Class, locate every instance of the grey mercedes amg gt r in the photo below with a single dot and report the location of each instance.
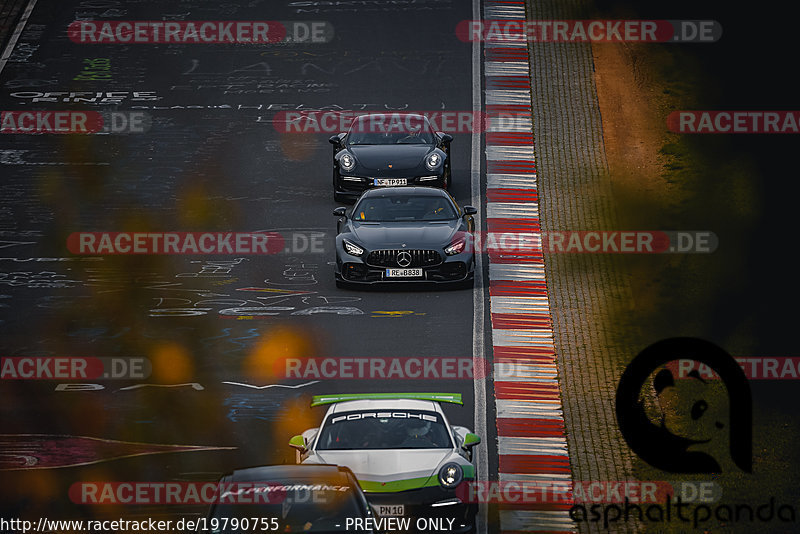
(402, 235)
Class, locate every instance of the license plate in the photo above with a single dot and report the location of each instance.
(390, 181)
(403, 273)
(391, 510)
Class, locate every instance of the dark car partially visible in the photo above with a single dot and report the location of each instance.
(289, 498)
(387, 150)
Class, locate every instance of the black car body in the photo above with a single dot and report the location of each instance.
(405, 234)
(300, 498)
(389, 149)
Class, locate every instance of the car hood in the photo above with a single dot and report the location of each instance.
(418, 234)
(386, 468)
(379, 157)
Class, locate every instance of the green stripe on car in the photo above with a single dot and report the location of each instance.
(318, 400)
(394, 486)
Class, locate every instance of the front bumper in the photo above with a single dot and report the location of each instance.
(453, 269)
(347, 186)
(429, 507)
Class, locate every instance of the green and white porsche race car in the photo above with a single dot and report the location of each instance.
(406, 456)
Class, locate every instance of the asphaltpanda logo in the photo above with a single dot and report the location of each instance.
(660, 444)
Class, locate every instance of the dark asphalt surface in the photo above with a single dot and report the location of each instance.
(212, 161)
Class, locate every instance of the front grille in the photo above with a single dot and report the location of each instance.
(388, 258)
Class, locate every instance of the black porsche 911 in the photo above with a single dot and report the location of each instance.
(389, 149)
(405, 234)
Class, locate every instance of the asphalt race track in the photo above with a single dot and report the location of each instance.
(213, 159)
(214, 134)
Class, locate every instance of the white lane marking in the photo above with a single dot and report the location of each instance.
(507, 68)
(523, 409)
(478, 294)
(511, 181)
(508, 97)
(500, 210)
(508, 122)
(517, 272)
(500, 41)
(510, 153)
(520, 305)
(15, 36)
(503, 12)
(518, 237)
(530, 446)
(520, 372)
(523, 338)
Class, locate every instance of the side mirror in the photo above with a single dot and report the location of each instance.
(446, 138)
(297, 442)
(470, 210)
(334, 139)
(341, 211)
(470, 440)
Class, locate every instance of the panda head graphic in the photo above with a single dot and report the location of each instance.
(693, 419)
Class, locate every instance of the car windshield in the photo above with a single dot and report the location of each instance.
(397, 208)
(390, 129)
(292, 505)
(395, 429)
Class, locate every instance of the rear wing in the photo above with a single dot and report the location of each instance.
(319, 400)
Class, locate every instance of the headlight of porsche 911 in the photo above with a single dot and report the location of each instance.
(347, 162)
(450, 475)
(433, 161)
(456, 247)
(352, 248)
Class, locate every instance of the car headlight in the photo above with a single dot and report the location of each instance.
(433, 161)
(428, 178)
(456, 247)
(450, 475)
(347, 162)
(352, 248)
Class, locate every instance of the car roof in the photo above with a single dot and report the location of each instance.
(405, 191)
(276, 473)
(385, 404)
